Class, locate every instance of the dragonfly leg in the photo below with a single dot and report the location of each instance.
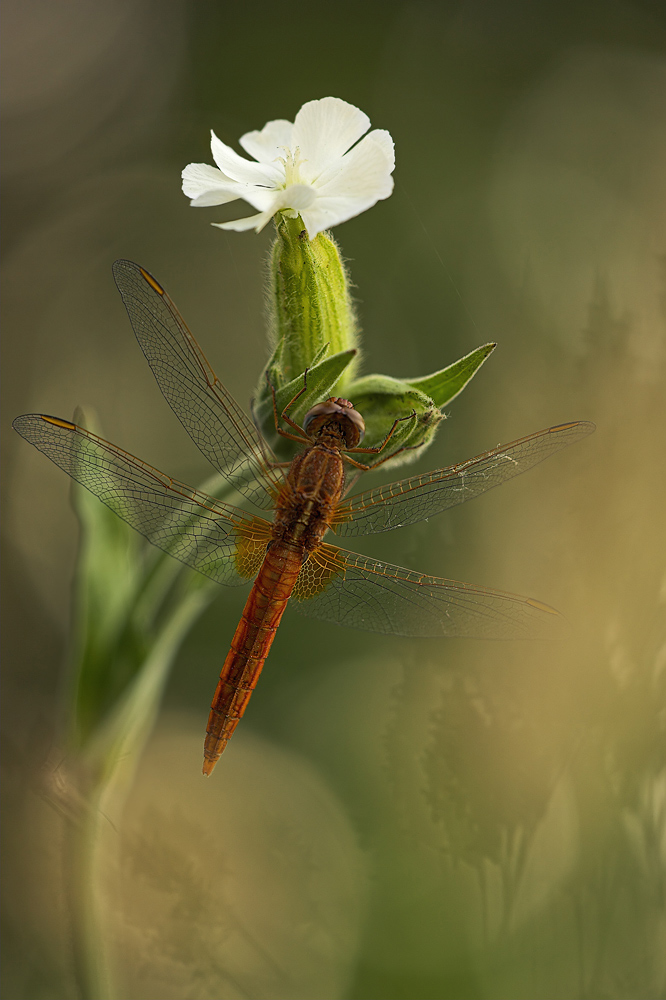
(293, 437)
(301, 438)
(380, 447)
(375, 465)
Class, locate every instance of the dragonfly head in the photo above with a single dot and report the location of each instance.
(339, 413)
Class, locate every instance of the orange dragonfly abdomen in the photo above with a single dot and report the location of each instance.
(250, 645)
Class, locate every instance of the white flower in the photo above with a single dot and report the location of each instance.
(309, 168)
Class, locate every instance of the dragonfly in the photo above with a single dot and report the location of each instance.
(284, 550)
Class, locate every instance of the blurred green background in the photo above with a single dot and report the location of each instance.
(394, 819)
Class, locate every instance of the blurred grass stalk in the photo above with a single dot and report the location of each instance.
(134, 604)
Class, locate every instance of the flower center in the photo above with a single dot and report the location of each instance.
(291, 162)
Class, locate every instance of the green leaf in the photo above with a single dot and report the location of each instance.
(320, 355)
(446, 384)
(106, 649)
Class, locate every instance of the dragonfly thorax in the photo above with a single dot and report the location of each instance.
(337, 420)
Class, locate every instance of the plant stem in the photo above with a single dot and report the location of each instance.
(84, 850)
(101, 778)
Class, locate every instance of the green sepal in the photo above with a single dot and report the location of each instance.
(449, 382)
(381, 400)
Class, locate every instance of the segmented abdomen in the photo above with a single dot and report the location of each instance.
(250, 645)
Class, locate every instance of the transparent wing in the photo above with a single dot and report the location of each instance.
(209, 414)
(420, 497)
(218, 540)
(350, 589)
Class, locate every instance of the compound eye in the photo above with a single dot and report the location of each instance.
(336, 407)
(320, 410)
(358, 422)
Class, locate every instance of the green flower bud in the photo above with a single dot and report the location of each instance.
(314, 330)
(381, 400)
(312, 325)
(309, 302)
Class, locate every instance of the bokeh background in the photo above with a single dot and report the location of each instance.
(394, 819)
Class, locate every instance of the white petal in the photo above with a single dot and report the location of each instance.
(263, 199)
(211, 198)
(385, 141)
(364, 172)
(329, 212)
(316, 220)
(245, 171)
(270, 143)
(207, 185)
(296, 196)
(256, 222)
(324, 130)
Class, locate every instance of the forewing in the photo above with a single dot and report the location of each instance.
(218, 540)
(209, 414)
(420, 497)
(353, 590)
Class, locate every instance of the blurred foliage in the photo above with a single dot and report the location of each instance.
(132, 606)
(400, 820)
